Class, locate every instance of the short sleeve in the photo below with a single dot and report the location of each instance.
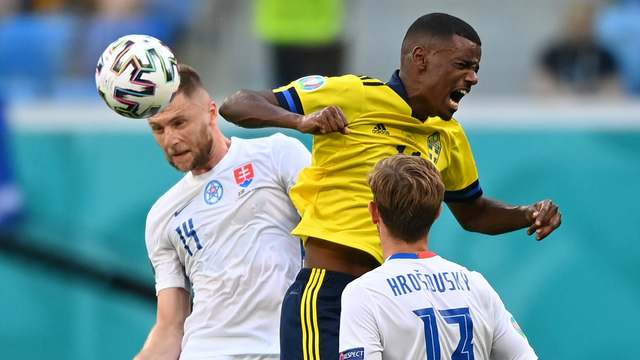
(313, 93)
(359, 333)
(168, 269)
(509, 341)
(290, 156)
(461, 175)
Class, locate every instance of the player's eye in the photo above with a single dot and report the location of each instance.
(179, 122)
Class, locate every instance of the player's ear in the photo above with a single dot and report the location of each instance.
(439, 212)
(213, 110)
(419, 55)
(375, 214)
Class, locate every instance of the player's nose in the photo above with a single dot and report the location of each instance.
(471, 77)
(170, 137)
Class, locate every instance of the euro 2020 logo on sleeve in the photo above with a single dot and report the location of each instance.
(310, 83)
(517, 327)
(213, 192)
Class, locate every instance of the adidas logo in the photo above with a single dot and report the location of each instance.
(380, 129)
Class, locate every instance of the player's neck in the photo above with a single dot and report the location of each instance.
(392, 246)
(218, 151)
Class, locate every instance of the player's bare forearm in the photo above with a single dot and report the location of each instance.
(164, 342)
(490, 216)
(251, 109)
(165, 338)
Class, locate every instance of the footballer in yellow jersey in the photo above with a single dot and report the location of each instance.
(362, 120)
(332, 194)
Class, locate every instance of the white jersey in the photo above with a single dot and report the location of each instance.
(423, 307)
(226, 235)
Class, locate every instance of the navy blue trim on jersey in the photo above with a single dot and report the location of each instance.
(289, 100)
(395, 83)
(418, 255)
(404, 256)
(467, 194)
(366, 82)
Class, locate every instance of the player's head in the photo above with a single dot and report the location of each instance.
(440, 57)
(407, 196)
(186, 128)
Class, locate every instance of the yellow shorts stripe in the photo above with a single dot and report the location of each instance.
(309, 316)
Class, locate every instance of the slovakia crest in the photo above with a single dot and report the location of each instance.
(213, 192)
(244, 175)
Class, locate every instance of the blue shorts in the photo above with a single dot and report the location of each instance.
(310, 322)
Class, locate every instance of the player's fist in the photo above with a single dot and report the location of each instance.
(545, 217)
(329, 119)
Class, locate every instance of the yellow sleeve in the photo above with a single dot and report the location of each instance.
(312, 93)
(461, 174)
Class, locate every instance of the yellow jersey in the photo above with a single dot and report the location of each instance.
(332, 194)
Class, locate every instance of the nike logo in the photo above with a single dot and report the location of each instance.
(182, 208)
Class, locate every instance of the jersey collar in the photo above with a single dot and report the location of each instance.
(395, 83)
(420, 255)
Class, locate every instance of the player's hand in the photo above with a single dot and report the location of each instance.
(545, 217)
(329, 119)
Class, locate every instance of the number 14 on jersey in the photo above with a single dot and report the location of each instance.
(189, 231)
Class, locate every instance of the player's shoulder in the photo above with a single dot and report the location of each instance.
(369, 81)
(361, 80)
(166, 202)
(348, 81)
(473, 276)
(268, 144)
(448, 264)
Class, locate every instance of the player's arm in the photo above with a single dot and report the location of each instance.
(359, 334)
(290, 157)
(508, 340)
(490, 216)
(258, 109)
(165, 339)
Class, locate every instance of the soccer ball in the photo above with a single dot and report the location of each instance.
(137, 76)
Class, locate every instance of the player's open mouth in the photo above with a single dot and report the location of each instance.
(456, 95)
(180, 153)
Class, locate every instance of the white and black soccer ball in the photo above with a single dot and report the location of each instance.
(137, 76)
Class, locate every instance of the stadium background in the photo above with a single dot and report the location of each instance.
(75, 281)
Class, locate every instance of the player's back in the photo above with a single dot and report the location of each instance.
(427, 308)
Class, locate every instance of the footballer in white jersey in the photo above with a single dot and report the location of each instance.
(419, 306)
(225, 236)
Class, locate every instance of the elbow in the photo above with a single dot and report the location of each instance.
(469, 226)
(226, 109)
